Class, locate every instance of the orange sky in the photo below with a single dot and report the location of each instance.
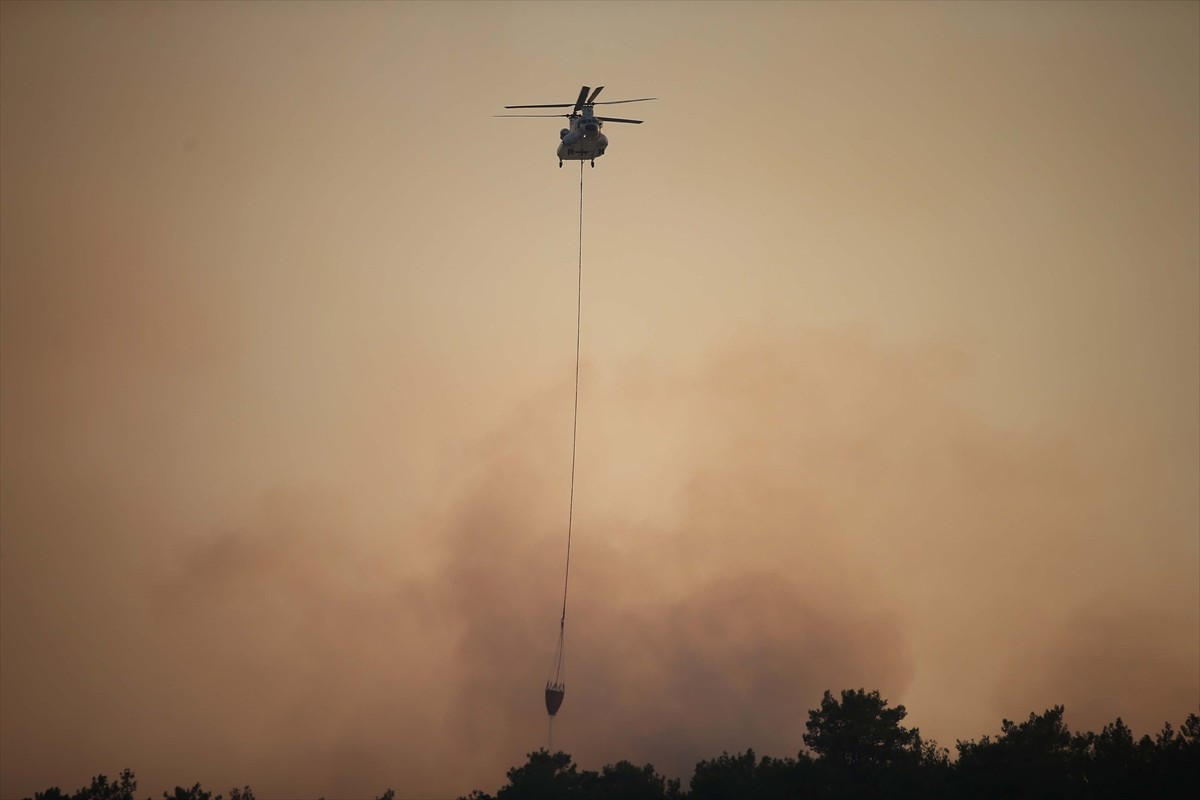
(891, 373)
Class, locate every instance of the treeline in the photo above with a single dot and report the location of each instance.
(857, 747)
(125, 788)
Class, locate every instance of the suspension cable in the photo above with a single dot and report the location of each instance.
(557, 668)
(575, 420)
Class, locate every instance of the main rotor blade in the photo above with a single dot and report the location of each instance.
(614, 102)
(582, 96)
(544, 105)
(617, 119)
(531, 115)
(592, 99)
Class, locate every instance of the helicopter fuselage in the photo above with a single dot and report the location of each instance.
(583, 141)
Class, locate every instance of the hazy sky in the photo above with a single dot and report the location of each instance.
(891, 373)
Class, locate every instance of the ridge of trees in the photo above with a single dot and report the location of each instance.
(125, 788)
(856, 747)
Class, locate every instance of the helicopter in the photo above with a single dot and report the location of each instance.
(582, 139)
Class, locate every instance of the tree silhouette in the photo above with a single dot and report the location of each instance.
(863, 750)
(53, 793)
(545, 777)
(626, 781)
(725, 776)
(99, 789)
(1111, 763)
(742, 777)
(1037, 758)
(194, 793)
(1175, 759)
(861, 731)
(552, 776)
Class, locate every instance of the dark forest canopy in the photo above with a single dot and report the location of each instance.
(125, 788)
(855, 747)
(858, 747)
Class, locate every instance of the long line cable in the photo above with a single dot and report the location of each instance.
(560, 655)
(575, 421)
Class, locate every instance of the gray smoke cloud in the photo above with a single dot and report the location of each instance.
(821, 513)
